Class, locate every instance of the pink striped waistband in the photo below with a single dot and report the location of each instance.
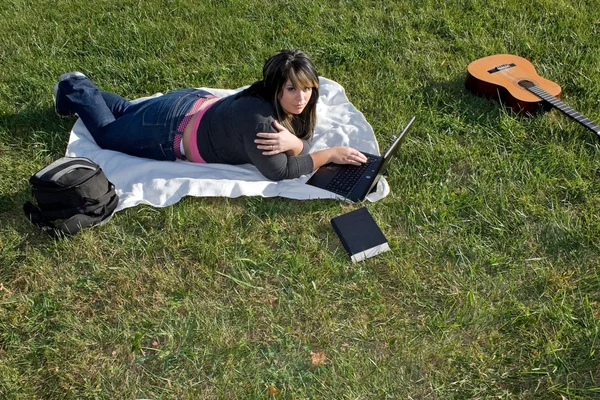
(195, 154)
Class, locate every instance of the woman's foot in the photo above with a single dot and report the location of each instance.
(56, 91)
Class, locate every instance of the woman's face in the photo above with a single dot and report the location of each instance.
(294, 100)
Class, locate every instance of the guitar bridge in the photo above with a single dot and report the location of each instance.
(501, 68)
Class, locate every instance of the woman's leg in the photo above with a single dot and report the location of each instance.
(145, 129)
(114, 122)
(116, 104)
(78, 94)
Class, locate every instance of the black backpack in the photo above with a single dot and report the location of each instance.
(72, 193)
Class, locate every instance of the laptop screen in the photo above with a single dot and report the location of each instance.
(393, 150)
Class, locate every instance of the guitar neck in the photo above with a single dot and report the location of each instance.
(583, 120)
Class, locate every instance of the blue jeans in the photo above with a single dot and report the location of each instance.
(145, 129)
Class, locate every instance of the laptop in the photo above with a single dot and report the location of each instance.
(355, 182)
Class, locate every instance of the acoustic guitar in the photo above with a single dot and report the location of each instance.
(514, 81)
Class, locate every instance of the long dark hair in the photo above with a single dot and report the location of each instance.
(295, 66)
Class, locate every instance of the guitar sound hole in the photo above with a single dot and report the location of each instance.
(526, 84)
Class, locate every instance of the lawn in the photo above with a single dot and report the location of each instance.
(492, 285)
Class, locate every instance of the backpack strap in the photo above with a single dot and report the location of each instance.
(91, 206)
(69, 226)
(35, 216)
(80, 221)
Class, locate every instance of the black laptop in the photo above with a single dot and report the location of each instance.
(355, 182)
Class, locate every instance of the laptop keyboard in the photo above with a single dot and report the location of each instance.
(346, 179)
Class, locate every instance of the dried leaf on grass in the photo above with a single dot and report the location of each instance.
(272, 391)
(273, 301)
(318, 358)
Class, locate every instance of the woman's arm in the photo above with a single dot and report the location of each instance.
(279, 165)
(282, 141)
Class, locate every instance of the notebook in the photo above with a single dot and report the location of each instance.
(360, 235)
(355, 182)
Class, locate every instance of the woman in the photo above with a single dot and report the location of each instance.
(270, 124)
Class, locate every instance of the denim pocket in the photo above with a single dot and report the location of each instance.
(168, 152)
(156, 150)
(167, 110)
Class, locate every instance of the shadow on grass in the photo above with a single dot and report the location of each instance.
(453, 98)
(461, 106)
(29, 137)
(12, 215)
(37, 129)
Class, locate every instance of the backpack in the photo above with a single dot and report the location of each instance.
(72, 193)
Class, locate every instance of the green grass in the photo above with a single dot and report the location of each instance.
(492, 287)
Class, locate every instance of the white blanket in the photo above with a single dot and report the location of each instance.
(162, 183)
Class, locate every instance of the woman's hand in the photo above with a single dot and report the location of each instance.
(279, 142)
(338, 155)
(346, 155)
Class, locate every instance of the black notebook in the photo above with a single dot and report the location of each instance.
(360, 235)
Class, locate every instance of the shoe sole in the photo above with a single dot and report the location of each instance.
(64, 77)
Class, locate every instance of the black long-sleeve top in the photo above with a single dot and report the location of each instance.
(227, 132)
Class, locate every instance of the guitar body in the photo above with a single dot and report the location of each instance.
(513, 81)
(498, 76)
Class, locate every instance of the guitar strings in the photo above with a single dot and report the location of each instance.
(555, 102)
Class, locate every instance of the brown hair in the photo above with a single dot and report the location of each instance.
(295, 66)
